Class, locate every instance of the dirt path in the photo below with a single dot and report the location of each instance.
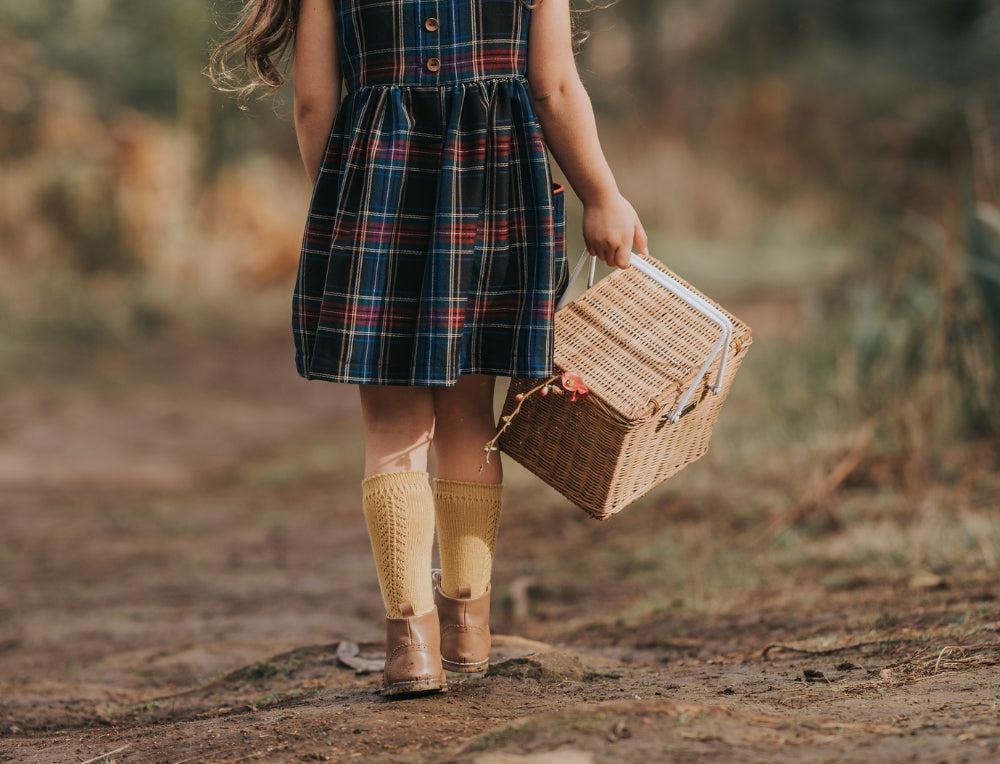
(182, 555)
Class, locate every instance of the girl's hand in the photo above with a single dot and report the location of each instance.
(611, 228)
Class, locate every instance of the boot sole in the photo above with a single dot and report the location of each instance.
(475, 669)
(409, 689)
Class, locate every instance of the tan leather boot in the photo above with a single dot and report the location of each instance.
(465, 629)
(412, 654)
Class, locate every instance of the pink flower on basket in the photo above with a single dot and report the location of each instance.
(572, 383)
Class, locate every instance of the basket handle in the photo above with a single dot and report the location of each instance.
(696, 301)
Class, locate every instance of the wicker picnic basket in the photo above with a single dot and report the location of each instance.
(658, 359)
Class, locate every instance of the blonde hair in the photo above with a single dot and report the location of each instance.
(250, 58)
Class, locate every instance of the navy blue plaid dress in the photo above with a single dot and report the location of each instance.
(433, 246)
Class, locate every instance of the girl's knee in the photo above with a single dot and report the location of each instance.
(472, 396)
(397, 415)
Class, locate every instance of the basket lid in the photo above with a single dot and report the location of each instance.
(636, 345)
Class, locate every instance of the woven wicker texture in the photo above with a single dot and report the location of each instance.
(637, 347)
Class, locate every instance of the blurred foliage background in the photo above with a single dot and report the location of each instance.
(830, 165)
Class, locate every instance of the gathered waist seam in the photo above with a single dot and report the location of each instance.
(476, 81)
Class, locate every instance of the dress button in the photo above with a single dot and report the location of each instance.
(431, 25)
(433, 64)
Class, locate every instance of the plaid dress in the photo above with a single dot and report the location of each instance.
(433, 246)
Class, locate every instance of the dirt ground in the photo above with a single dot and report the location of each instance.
(184, 557)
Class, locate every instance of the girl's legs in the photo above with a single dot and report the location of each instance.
(399, 425)
(400, 509)
(399, 512)
(398, 502)
(467, 507)
(464, 423)
(467, 501)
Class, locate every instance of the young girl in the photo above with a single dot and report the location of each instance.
(430, 264)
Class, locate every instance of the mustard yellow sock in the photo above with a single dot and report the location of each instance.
(468, 517)
(399, 512)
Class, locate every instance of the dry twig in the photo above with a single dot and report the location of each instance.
(828, 486)
(505, 421)
(106, 755)
(347, 654)
(777, 646)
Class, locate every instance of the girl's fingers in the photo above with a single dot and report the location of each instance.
(641, 240)
(614, 256)
(611, 230)
(623, 257)
(609, 255)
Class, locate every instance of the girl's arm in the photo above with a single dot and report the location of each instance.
(610, 225)
(316, 71)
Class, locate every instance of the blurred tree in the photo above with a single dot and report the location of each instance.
(147, 56)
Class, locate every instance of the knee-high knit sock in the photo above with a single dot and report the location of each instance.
(399, 512)
(468, 517)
